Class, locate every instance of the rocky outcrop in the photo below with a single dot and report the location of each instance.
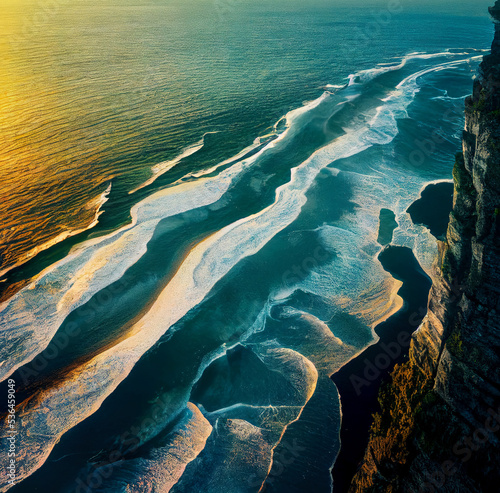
(439, 428)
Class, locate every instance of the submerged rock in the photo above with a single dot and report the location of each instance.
(387, 226)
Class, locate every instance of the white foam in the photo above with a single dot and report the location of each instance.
(365, 76)
(412, 79)
(334, 86)
(34, 313)
(95, 204)
(208, 262)
(161, 168)
(123, 248)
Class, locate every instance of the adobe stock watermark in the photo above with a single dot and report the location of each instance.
(34, 23)
(391, 352)
(463, 451)
(384, 360)
(380, 19)
(289, 452)
(11, 432)
(424, 148)
(302, 270)
(225, 7)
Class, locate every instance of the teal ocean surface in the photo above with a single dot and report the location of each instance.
(190, 202)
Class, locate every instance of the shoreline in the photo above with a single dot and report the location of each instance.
(358, 382)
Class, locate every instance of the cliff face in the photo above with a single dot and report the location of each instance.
(439, 427)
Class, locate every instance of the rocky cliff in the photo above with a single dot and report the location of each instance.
(439, 428)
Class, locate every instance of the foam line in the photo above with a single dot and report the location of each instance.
(365, 76)
(161, 168)
(34, 313)
(207, 263)
(96, 203)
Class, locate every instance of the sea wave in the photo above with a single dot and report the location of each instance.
(161, 168)
(98, 262)
(368, 75)
(95, 204)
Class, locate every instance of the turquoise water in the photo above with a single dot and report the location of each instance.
(132, 85)
(186, 339)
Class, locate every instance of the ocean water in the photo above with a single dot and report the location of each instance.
(190, 200)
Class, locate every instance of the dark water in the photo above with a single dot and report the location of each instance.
(359, 381)
(186, 340)
(386, 227)
(433, 208)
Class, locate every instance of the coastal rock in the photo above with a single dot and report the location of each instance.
(439, 420)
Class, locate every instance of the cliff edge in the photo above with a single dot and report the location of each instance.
(439, 428)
